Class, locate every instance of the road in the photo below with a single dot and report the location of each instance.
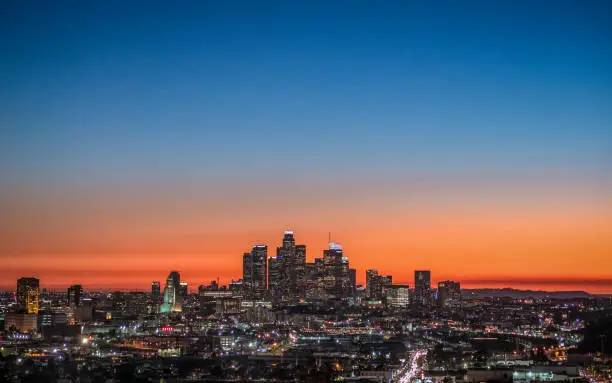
(410, 369)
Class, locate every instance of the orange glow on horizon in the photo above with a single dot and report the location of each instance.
(126, 241)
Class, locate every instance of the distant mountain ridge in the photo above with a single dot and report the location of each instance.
(515, 293)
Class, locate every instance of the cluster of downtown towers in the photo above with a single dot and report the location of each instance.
(288, 277)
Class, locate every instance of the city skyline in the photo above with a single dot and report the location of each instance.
(466, 139)
(401, 277)
(306, 191)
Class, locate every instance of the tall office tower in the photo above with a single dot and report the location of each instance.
(254, 272)
(317, 278)
(310, 280)
(28, 290)
(275, 276)
(449, 294)
(385, 282)
(337, 278)
(293, 258)
(300, 270)
(422, 288)
(288, 239)
(170, 292)
(397, 296)
(156, 292)
(370, 278)
(75, 295)
(378, 284)
(182, 292)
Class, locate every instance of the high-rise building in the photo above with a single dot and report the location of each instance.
(156, 292)
(397, 296)
(170, 293)
(334, 270)
(182, 293)
(337, 277)
(254, 272)
(75, 295)
(293, 259)
(299, 273)
(376, 284)
(288, 239)
(275, 276)
(449, 294)
(422, 288)
(370, 276)
(311, 279)
(28, 290)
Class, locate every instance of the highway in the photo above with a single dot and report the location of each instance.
(410, 369)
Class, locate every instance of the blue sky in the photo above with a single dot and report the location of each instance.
(205, 91)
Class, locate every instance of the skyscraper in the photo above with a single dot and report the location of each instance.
(156, 292)
(293, 259)
(449, 294)
(182, 292)
(337, 276)
(370, 276)
(254, 272)
(170, 293)
(75, 293)
(377, 284)
(299, 266)
(288, 239)
(422, 288)
(28, 290)
(275, 276)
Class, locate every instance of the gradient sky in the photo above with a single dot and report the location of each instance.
(472, 138)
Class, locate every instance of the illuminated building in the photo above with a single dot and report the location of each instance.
(377, 284)
(75, 295)
(28, 290)
(137, 303)
(170, 293)
(299, 271)
(337, 278)
(449, 294)
(293, 260)
(21, 322)
(370, 276)
(254, 272)
(397, 296)
(236, 286)
(422, 288)
(182, 293)
(229, 305)
(156, 292)
(119, 304)
(275, 276)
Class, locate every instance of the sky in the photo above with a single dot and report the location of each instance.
(470, 138)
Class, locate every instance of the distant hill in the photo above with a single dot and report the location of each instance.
(514, 293)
